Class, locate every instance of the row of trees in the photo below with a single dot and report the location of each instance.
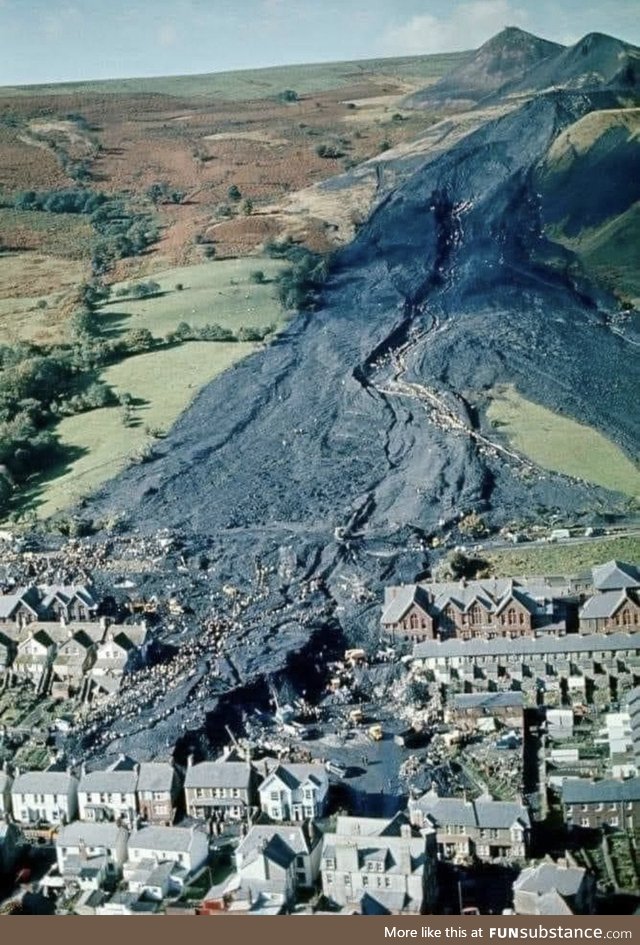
(121, 231)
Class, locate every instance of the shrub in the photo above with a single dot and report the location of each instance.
(234, 192)
(329, 151)
(257, 276)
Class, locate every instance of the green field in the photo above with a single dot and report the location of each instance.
(214, 293)
(162, 384)
(562, 558)
(562, 445)
(259, 83)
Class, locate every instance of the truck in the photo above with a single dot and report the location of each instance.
(375, 733)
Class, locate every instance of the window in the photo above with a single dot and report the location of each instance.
(613, 821)
(585, 822)
(274, 796)
(365, 880)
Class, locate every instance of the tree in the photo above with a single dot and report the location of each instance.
(247, 207)
(234, 192)
(257, 276)
(139, 339)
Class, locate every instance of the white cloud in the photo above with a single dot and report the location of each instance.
(467, 26)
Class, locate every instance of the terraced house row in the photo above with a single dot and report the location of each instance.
(604, 600)
(54, 638)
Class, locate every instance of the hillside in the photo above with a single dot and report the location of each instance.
(456, 340)
(595, 62)
(504, 58)
(598, 222)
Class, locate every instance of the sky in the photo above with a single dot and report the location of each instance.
(68, 40)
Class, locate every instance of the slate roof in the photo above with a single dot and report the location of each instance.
(234, 774)
(547, 877)
(615, 575)
(156, 776)
(405, 596)
(297, 838)
(93, 835)
(123, 782)
(22, 595)
(295, 775)
(43, 782)
(604, 604)
(488, 700)
(65, 593)
(163, 839)
(583, 791)
(481, 813)
(527, 646)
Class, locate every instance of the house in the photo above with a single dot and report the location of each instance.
(526, 655)
(611, 612)
(35, 657)
(484, 828)
(5, 793)
(379, 866)
(554, 888)
(68, 602)
(272, 863)
(21, 607)
(295, 792)
(72, 661)
(598, 804)
(512, 607)
(304, 840)
(44, 797)
(124, 902)
(109, 795)
(220, 790)
(91, 855)
(407, 613)
(185, 847)
(121, 651)
(615, 576)
(10, 844)
(157, 790)
(471, 710)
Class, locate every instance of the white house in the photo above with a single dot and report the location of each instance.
(90, 854)
(295, 792)
(303, 840)
(379, 866)
(187, 847)
(35, 656)
(119, 653)
(44, 797)
(109, 794)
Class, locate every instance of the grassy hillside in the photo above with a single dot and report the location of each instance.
(218, 292)
(258, 83)
(562, 558)
(161, 385)
(562, 445)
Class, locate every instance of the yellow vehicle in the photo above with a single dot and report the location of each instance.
(375, 733)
